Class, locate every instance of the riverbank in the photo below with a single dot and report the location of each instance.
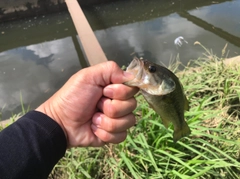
(211, 151)
(16, 9)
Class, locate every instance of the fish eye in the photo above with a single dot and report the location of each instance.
(152, 69)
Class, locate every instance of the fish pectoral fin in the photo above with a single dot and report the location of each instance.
(181, 132)
(165, 122)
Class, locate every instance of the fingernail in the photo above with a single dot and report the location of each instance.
(108, 91)
(128, 75)
(94, 128)
(97, 120)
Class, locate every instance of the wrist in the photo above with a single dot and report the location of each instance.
(48, 110)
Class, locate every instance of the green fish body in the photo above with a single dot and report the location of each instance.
(164, 93)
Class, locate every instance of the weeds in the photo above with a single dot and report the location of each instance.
(211, 151)
(14, 117)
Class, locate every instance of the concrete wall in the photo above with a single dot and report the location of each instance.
(14, 9)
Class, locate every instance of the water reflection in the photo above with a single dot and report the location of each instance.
(35, 72)
(156, 37)
(124, 28)
(223, 15)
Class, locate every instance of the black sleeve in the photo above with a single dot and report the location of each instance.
(30, 147)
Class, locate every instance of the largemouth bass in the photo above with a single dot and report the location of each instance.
(163, 91)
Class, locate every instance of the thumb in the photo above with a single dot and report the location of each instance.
(106, 73)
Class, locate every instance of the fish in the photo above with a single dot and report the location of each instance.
(163, 92)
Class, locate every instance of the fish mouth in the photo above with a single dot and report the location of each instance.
(136, 68)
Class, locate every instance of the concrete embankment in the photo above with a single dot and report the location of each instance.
(15, 9)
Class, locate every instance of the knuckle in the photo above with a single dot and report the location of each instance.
(120, 138)
(132, 119)
(134, 103)
(114, 138)
(112, 64)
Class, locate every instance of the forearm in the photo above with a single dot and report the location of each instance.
(31, 147)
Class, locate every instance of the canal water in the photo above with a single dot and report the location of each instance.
(37, 55)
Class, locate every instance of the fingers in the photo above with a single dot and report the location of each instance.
(116, 117)
(122, 103)
(112, 130)
(111, 125)
(119, 91)
(116, 108)
(107, 137)
(115, 125)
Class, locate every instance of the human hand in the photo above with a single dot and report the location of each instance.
(94, 107)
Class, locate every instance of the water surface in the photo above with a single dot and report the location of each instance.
(39, 54)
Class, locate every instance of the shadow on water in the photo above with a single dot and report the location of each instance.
(29, 55)
(235, 40)
(39, 54)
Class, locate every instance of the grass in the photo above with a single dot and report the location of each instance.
(211, 151)
(14, 117)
